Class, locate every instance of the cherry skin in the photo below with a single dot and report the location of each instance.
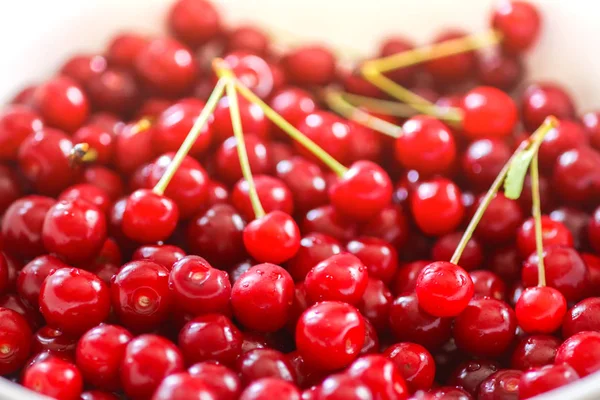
(210, 337)
(470, 374)
(342, 387)
(415, 364)
(97, 395)
(198, 288)
(140, 295)
(272, 193)
(90, 193)
(62, 103)
(222, 381)
(16, 123)
(124, 48)
(314, 248)
(500, 70)
(10, 189)
(252, 71)
(305, 180)
(166, 67)
(264, 363)
(582, 317)
(274, 238)
(22, 225)
(488, 284)
(426, 145)
(133, 137)
(310, 65)
(486, 327)
(149, 217)
(380, 375)
(195, 22)
(576, 176)
(405, 279)
(100, 352)
(436, 206)
(447, 392)
(483, 160)
(329, 335)
(444, 289)
(227, 159)
(253, 120)
(217, 235)
(33, 274)
(380, 258)
(453, 68)
(540, 309)
(293, 104)
(181, 386)
(269, 388)
(371, 344)
(591, 124)
(248, 38)
(148, 359)
(165, 255)
(327, 130)
(444, 247)
(519, 24)
(84, 67)
(543, 379)
(326, 220)
(262, 297)
(54, 378)
(503, 384)
(15, 341)
(391, 225)
(342, 277)
(553, 234)
(541, 100)
(566, 136)
(594, 230)
(393, 45)
(500, 221)
(488, 112)
(580, 351)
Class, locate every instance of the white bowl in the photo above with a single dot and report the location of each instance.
(39, 35)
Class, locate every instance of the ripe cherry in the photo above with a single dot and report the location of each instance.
(380, 375)
(415, 364)
(33, 274)
(305, 180)
(16, 123)
(500, 221)
(165, 255)
(227, 161)
(222, 381)
(541, 100)
(272, 193)
(398, 44)
(380, 258)
(293, 104)
(488, 284)
(133, 136)
(444, 289)
(391, 225)
(341, 277)
(62, 103)
(314, 248)
(54, 378)
(488, 112)
(252, 71)
(469, 375)
(262, 297)
(580, 351)
(124, 48)
(15, 341)
(471, 257)
(453, 68)
(90, 193)
(253, 120)
(195, 22)
(576, 176)
(553, 234)
(437, 207)
(566, 136)
(264, 363)
(540, 309)
(149, 217)
(405, 279)
(273, 238)
(114, 90)
(541, 380)
(503, 384)
(534, 351)
(519, 24)
(310, 65)
(269, 388)
(591, 124)
(328, 131)
(83, 67)
(326, 220)
(483, 160)
(582, 317)
(577, 222)
(500, 70)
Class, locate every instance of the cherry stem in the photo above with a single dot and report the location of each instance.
(142, 125)
(535, 139)
(537, 218)
(221, 69)
(335, 100)
(384, 107)
(82, 153)
(191, 137)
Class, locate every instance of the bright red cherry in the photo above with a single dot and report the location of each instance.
(227, 161)
(83, 67)
(16, 123)
(99, 138)
(62, 103)
(74, 300)
(262, 297)
(444, 289)
(75, 230)
(540, 309)
(330, 334)
(222, 381)
(534, 351)
(541, 100)
(380, 258)
(543, 379)
(33, 274)
(293, 104)
(195, 22)
(553, 234)
(483, 160)
(252, 71)
(147, 361)
(264, 363)
(124, 48)
(273, 238)
(341, 277)
(380, 375)
(314, 248)
(100, 352)
(54, 378)
(581, 351)
(149, 217)
(329, 131)
(253, 120)
(269, 388)
(500, 70)
(415, 364)
(90, 193)
(248, 38)
(488, 112)
(566, 136)
(582, 317)
(15, 341)
(182, 386)
(210, 337)
(326, 220)
(591, 124)
(437, 207)
(519, 24)
(140, 295)
(576, 176)
(310, 65)
(453, 68)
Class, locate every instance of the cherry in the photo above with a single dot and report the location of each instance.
(274, 237)
(329, 335)
(16, 123)
(217, 235)
(222, 381)
(453, 68)
(398, 44)
(9, 188)
(305, 181)
(342, 387)
(341, 277)
(554, 233)
(100, 352)
(227, 161)
(540, 309)
(543, 379)
(500, 221)
(106, 120)
(566, 136)
(519, 24)
(272, 193)
(310, 65)
(488, 112)
(326, 220)
(165, 255)
(97, 395)
(506, 263)
(166, 67)
(90, 193)
(405, 279)
(181, 386)
(472, 255)
(591, 124)
(198, 288)
(390, 224)
(148, 359)
(578, 222)
(252, 71)
(253, 120)
(25, 96)
(114, 90)
(380, 258)
(500, 70)
(62, 103)
(54, 378)
(541, 100)
(293, 104)
(195, 22)
(314, 248)
(380, 375)
(483, 160)
(409, 323)
(132, 136)
(415, 364)
(593, 264)
(105, 179)
(262, 297)
(149, 217)
(327, 130)
(54, 341)
(470, 375)
(210, 337)
(124, 48)
(99, 138)
(248, 38)
(503, 384)
(488, 284)
(576, 176)
(22, 225)
(83, 67)
(447, 393)
(436, 206)
(371, 344)
(486, 327)
(44, 161)
(582, 317)
(264, 363)
(15, 341)
(269, 388)
(580, 351)
(444, 289)
(565, 271)
(426, 145)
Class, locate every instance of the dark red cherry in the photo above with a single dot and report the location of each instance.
(124, 48)
(541, 100)
(227, 160)
(543, 379)
(380, 375)
(33, 274)
(54, 378)
(149, 217)
(15, 341)
(488, 284)
(437, 207)
(591, 124)
(534, 351)
(273, 238)
(444, 247)
(165, 255)
(326, 220)
(253, 120)
(503, 384)
(506, 263)
(500, 70)
(305, 180)
(405, 279)
(314, 248)
(470, 374)
(222, 381)
(341, 277)
(500, 221)
(483, 160)
(576, 176)
(341, 386)
(582, 317)
(268, 388)
(453, 68)
(415, 364)
(519, 24)
(577, 222)
(310, 65)
(83, 67)
(264, 363)
(391, 225)
(16, 123)
(488, 112)
(62, 103)
(446, 392)
(195, 22)
(380, 258)
(181, 386)
(580, 351)
(10, 189)
(106, 179)
(553, 234)
(540, 309)
(114, 90)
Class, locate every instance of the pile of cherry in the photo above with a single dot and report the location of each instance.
(151, 250)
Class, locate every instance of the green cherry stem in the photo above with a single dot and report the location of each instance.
(533, 141)
(537, 218)
(380, 106)
(191, 137)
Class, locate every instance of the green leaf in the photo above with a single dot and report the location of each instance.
(517, 170)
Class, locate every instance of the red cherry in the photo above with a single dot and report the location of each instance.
(541, 100)
(33, 274)
(222, 381)
(248, 38)
(15, 341)
(576, 221)
(264, 363)
(503, 384)
(62, 103)
(262, 297)
(380, 375)
(444, 289)
(426, 145)
(472, 255)
(83, 67)
(453, 68)
(500, 70)
(194, 21)
(534, 351)
(269, 388)
(341, 277)
(314, 248)
(16, 123)
(380, 258)
(581, 351)
(106, 179)
(10, 189)
(566, 136)
(253, 120)
(553, 234)
(198, 288)
(54, 378)
(166, 67)
(293, 104)
(391, 225)
(488, 284)
(133, 137)
(90, 193)
(327, 130)
(483, 160)
(100, 139)
(500, 221)
(273, 238)
(398, 44)
(182, 386)
(540, 309)
(543, 379)
(100, 352)
(326, 220)
(591, 124)
(405, 279)
(149, 217)
(252, 71)
(273, 194)
(310, 65)
(415, 364)
(140, 295)
(227, 161)
(341, 387)
(469, 375)
(114, 90)
(74, 300)
(165, 255)
(329, 335)
(582, 317)
(147, 361)
(124, 48)
(488, 112)
(305, 180)
(576, 176)
(519, 24)
(437, 207)
(210, 337)
(371, 344)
